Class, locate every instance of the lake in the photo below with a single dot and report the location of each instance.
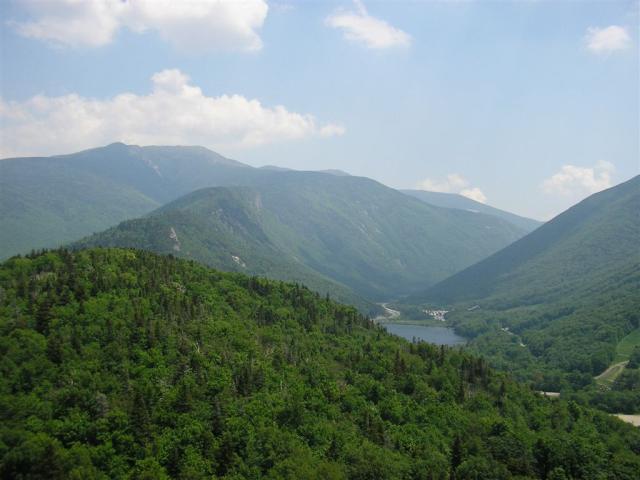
(437, 335)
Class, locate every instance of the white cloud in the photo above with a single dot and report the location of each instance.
(175, 112)
(454, 183)
(359, 26)
(606, 40)
(474, 194)
(189, 25)
(572, 180)
(332, 130)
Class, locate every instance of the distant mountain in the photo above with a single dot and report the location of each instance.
(569, 289)
(376, 241)
(453, 200)
(330, 171)
(276, 168)
(47, 201)
(335, 171)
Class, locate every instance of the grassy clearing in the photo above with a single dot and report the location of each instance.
(609, 376)
(623, 352)
(624, 348)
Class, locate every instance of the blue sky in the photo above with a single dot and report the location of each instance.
(529, 106)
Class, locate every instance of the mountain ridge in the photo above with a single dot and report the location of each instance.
(50, 201)
(454, 200)
(353, 230)
(557, 229)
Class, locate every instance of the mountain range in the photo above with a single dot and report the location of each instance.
(564, 290)
(370, 238)
(340, 234)
(49, 201)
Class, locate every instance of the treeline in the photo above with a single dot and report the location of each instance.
(122, 364)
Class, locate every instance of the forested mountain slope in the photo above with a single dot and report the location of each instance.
(221, 229)
(569, 289)
(573, 252)
(453, 200)
(47, 201)
(123, 364)
(352, 230)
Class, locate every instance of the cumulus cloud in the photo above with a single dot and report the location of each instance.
(174, 112)
(474, 194)
(606, 40)
(189, 25)
(572, 180)
(358, 26)
(454, 183)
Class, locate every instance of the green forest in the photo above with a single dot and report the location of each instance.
(122, 364)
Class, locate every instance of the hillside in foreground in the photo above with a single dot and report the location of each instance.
(124, 364)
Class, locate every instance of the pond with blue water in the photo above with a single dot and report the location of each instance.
(431, 334)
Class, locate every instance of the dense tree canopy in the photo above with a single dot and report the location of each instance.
(125, 364)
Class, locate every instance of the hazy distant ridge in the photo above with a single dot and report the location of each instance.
(453, 200)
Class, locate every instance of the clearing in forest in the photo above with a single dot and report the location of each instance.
(623, 352)
(624, 348)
